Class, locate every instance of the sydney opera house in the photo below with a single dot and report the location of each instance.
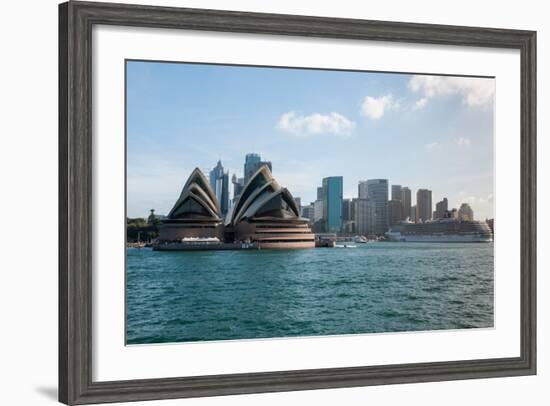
(265, 215)
(196, 213)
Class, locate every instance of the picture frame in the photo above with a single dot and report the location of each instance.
(76, 352)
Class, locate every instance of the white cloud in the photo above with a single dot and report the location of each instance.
(315, 124)
(475, 92)
(420, 103)
(375, 107)
(463, 141)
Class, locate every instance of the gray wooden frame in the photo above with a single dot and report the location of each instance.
(75, 192)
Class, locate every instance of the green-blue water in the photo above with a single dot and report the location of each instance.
(376, 287)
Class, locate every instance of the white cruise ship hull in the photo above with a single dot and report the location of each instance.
(438, 238)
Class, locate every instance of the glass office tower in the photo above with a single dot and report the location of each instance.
(333, 187)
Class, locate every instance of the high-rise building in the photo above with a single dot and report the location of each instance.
(238, 185)
(413, 214)
(320, 193)
(377, 193)
(348, 216)
(406, 203)
(364, 216)
(441, 209)
(394, 212)
(333, 187)
(298, 203)
(219, 182)
(423, 205)
(362, 190)
(348, 210)
(317, 210)
(307, 212)
(465, 213)
(252, 163)
(396, 192)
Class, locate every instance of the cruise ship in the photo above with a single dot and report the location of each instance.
(443, 230)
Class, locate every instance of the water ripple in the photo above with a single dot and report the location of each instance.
(198, 296)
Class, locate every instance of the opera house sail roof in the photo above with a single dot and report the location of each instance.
(196, 201)
(265, 215)
(195, 214)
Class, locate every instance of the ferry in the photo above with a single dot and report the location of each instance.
(443, 230)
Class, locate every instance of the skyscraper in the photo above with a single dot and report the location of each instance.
(364, 216)
(394, 212)
(298, 203)
(441, 208)
(377, 193)
(320, 193)
(423, 205)
(348, 210)
(348, 215)
(396, 192)
(252, 163)
(238, 185)
(317, 211)
(406, 203)
(332, 203)
(308, 213)
(219, 182)
(362, 189)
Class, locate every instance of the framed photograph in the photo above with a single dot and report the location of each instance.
(258, 202)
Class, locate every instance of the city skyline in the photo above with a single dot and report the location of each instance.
(359, 126)
(436, 210)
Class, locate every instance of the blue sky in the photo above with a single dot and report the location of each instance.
(419, 131)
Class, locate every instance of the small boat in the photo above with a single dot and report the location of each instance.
(345, 246)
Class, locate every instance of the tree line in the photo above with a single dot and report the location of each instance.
(142, 230)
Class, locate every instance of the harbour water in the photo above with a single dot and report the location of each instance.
(375, 287)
